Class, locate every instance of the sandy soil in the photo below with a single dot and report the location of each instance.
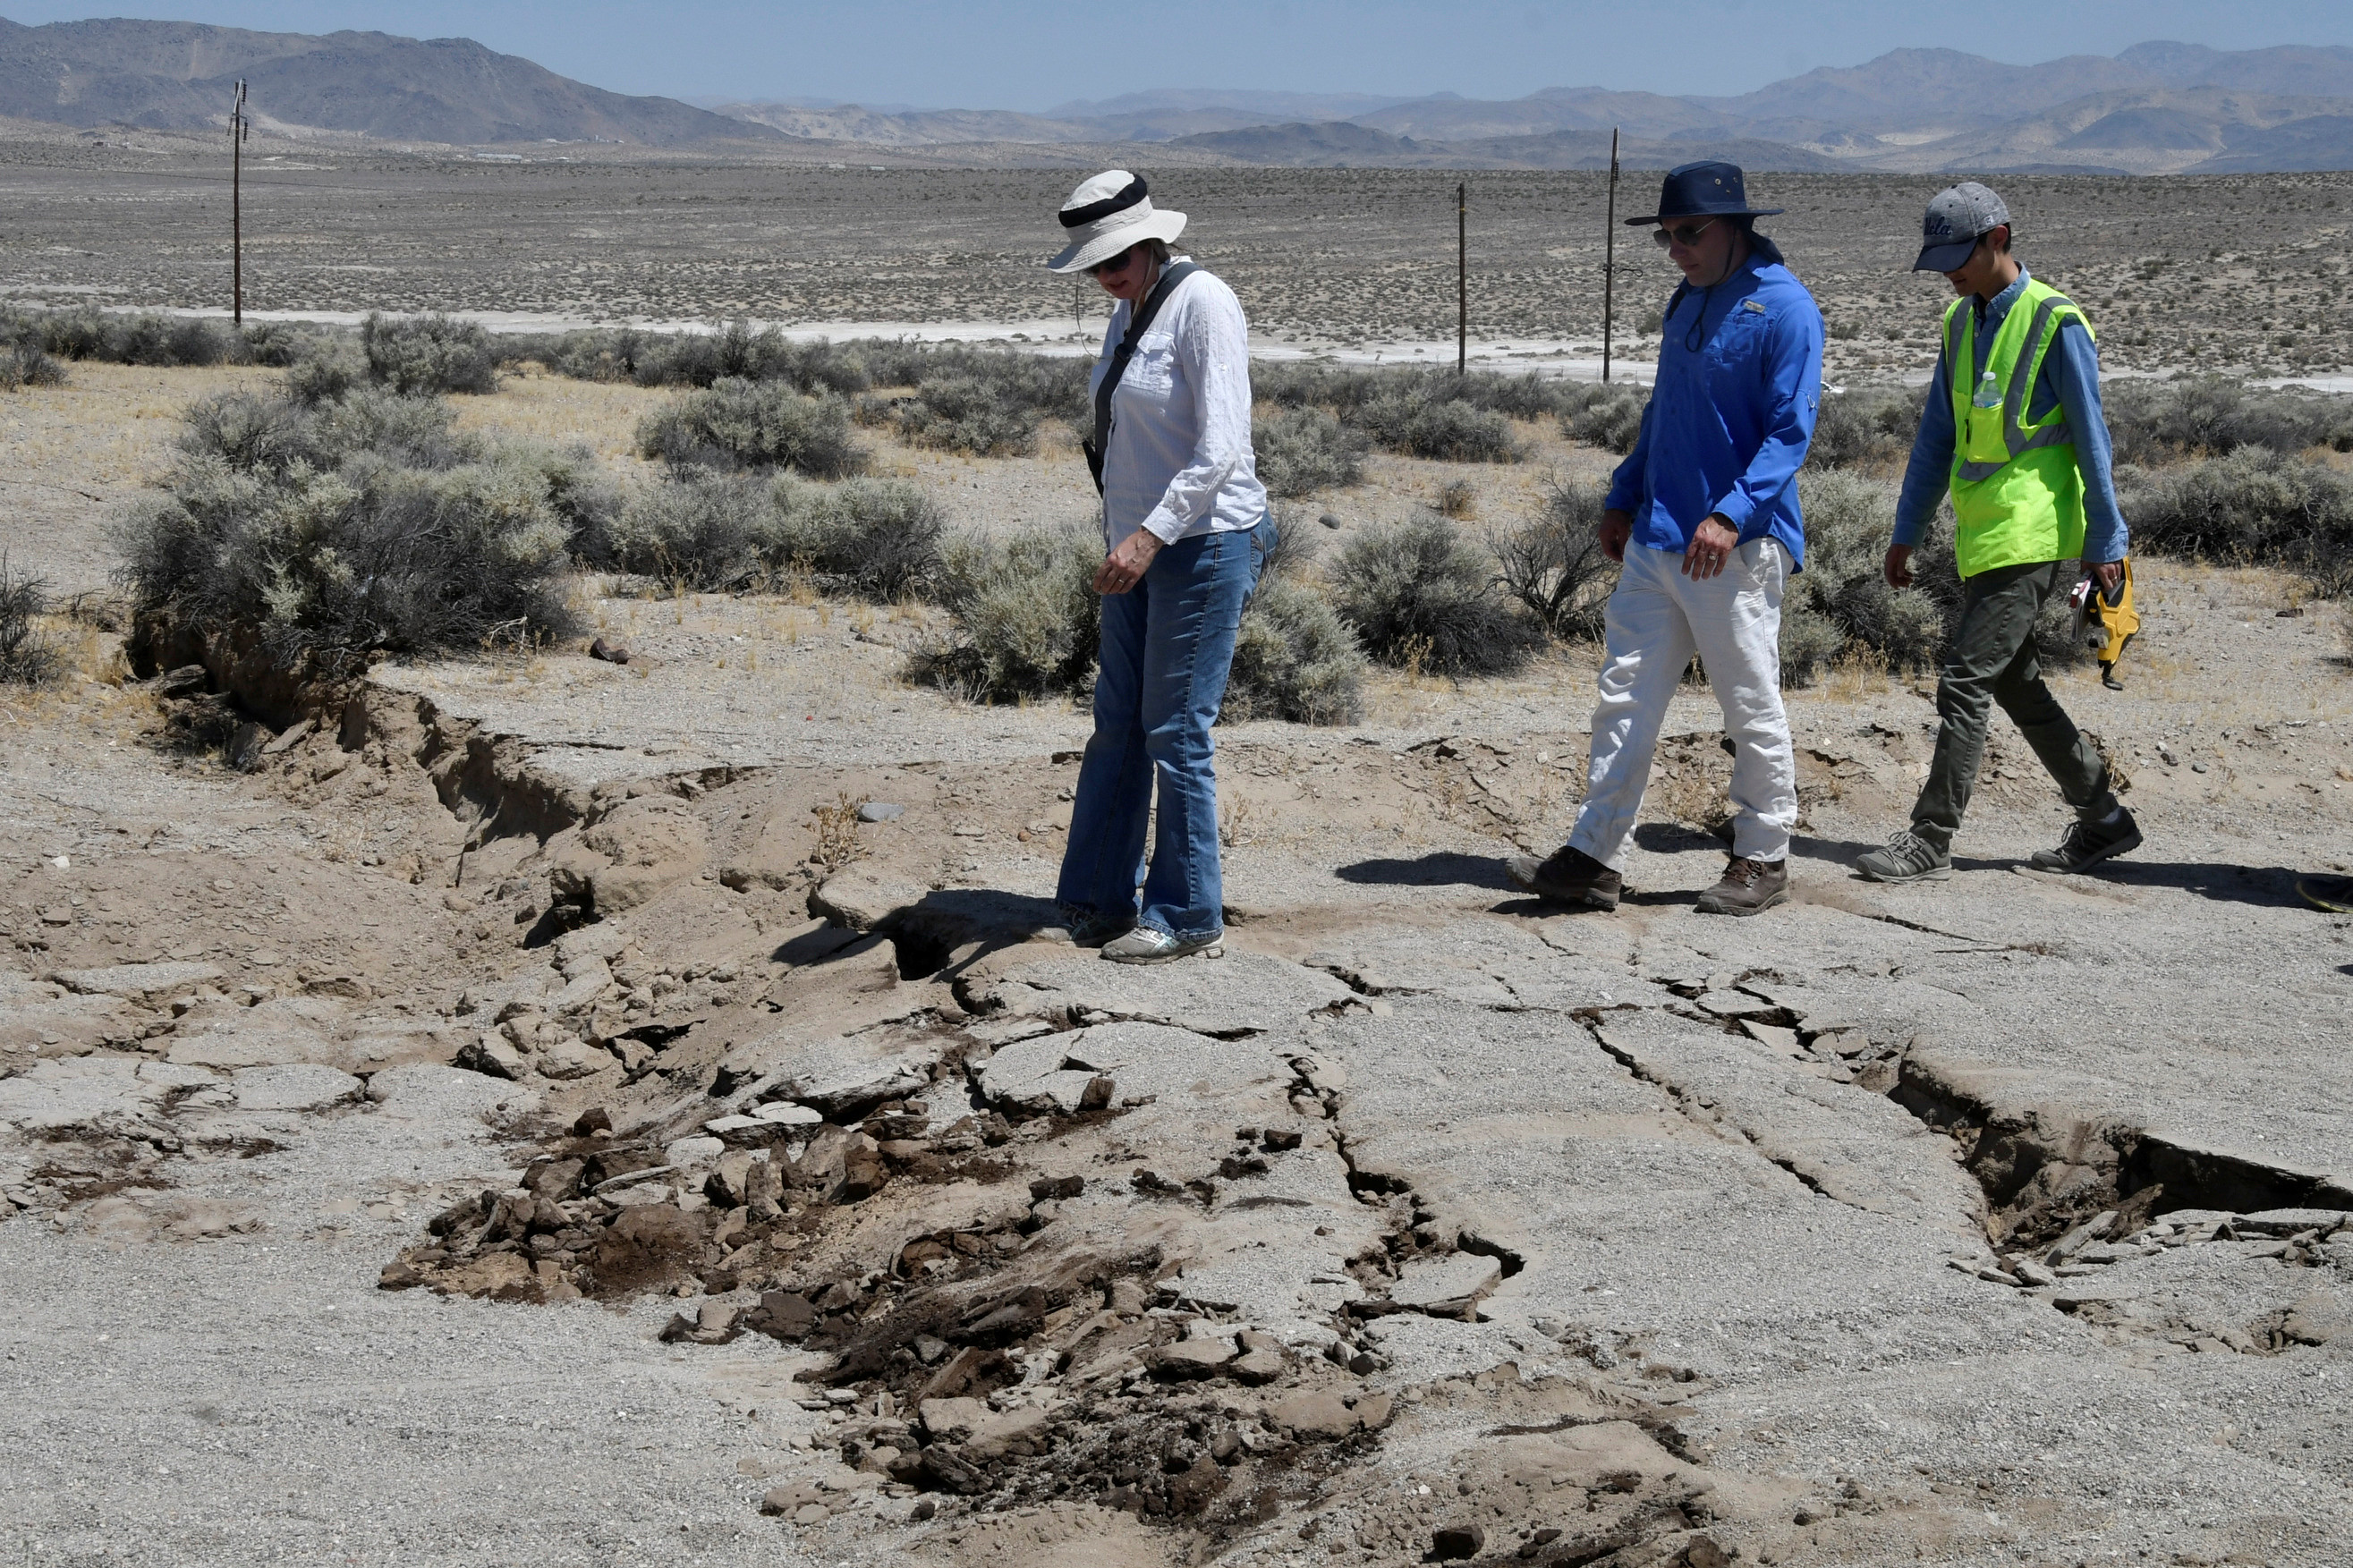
(532, 1104)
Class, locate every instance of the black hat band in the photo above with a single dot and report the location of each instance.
(1074, 218)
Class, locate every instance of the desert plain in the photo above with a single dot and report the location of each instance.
(531, 1109)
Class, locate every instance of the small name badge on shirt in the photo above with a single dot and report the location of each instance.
(1752, 305)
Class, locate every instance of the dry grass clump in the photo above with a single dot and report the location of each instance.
(431, 353)
(28, 364)
(722, 531)
(1553, 563)
(333, 534)
(1421, 597)
(1302, 451)
(738, 424)
(28, 656)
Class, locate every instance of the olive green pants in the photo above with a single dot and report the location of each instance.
(1993, 659)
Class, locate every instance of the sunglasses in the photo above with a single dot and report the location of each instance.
(1115, 264)
(1683, 234)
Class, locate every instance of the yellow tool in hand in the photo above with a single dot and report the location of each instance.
(2104, 623)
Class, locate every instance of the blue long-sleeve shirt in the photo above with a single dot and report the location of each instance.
(1732, 412)
(2070, 380)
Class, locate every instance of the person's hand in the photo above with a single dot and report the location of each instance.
(1126, 565)
(2108, 574)
(1712, 543)
(1617, 528)
(1899, 567)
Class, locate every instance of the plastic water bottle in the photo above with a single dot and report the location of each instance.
(1989, 393)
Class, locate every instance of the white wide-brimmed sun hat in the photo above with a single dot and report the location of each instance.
(1108, 213)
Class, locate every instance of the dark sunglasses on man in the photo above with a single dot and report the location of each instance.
(1685, 234)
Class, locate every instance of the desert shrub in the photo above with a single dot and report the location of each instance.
(962, 414)
(1450, 431)
(28, 656)
(1865, 425)
(1841, 598)
(2257, 507)
(1301, 450)
(1420, 596)
(1553, 563)
(331, 533)
(1295, 545)
(713, 531)
(111, 338)
(253, 431)
(1294, 659)
(2161, 421)
(323, 372)
(431, 353)
(746, 424)
(878, 537)
(279, 344)
(722, 530)
(1609, 416)
(27, 364)
(1027, 621)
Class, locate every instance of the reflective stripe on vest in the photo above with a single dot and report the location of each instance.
(2016, 361)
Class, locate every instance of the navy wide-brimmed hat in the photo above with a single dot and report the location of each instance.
(1704, 190)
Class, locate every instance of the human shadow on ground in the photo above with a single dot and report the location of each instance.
(1441, 868)
(949, 929)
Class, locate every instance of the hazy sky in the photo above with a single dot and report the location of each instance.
(1000, 54)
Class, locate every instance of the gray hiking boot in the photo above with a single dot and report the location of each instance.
(1750, 887)
(1908, 858)
(1146, 944)
(1571, 877)
(2087, 844)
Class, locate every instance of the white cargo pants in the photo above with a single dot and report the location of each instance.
(1658, 619)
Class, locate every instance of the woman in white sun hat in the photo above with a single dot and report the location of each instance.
(1185, 535)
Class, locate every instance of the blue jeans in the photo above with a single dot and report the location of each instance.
(1167, 647)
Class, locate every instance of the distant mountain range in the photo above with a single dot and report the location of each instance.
(2156, 108)
(179, 76)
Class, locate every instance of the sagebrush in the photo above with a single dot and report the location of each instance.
(739, 424)
(728, 530)
(1027, 621)
(28, 656)
(1422, 597)
(433, 353)
(1302, 451)
(332, 534)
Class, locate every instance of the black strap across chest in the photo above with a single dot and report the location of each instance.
(1100, 442)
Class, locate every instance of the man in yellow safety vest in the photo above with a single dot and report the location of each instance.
(2012, 429)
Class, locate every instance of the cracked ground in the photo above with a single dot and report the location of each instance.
(447, 1141)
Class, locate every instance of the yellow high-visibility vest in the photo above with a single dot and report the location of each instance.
(2018, 496)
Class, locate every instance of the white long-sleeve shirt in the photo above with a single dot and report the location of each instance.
(1180, 462)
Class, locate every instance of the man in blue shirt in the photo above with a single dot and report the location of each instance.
(1703, 516)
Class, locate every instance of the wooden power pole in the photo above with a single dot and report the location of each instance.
(237, 134)
(1610, 257)
(1461, 277)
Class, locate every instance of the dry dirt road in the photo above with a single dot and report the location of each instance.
(530, 1113)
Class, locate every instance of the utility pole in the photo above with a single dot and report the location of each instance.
(1610, 257)
(237, 134)
(1462, 278)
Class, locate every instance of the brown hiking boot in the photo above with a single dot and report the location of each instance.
(1571, 877)
(1749, 887)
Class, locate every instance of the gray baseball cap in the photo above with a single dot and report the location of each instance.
(1957, 217)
